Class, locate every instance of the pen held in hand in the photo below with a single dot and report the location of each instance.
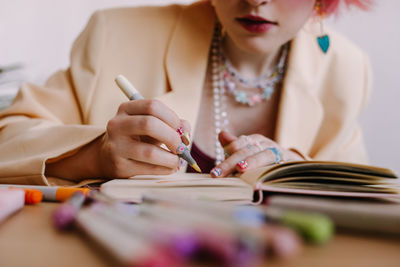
(133, 94)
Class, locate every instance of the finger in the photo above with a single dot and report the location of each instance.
(145, 125)
(144, 152)
(260, 159)
(150, 140)
(125, 168)
(184, 131)
(228, 166)
(225, 138)
(245, 140)
(151, 107)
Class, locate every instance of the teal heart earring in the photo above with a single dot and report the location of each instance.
(323, 40)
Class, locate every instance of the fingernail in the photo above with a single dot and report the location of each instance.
(181, 148)
(242, 164)
(180, 131)
(187, 137)
(216, 172)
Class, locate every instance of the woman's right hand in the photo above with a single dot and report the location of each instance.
(130, 146)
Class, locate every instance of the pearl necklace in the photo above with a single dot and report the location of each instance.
(220, 83)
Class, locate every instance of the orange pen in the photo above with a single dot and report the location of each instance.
(52, 193)
(32, 196)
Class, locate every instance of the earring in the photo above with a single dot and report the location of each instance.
(323, 40)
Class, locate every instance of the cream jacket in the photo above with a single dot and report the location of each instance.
(164, 52)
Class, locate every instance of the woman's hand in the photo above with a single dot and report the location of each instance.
(130, 146)
(249, 152)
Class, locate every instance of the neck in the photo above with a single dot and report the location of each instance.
(250, 65)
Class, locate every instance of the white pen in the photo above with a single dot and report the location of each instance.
(133, 94)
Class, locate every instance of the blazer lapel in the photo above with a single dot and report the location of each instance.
(300, 112)
(186, 60)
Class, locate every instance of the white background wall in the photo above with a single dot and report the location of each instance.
(39, 33)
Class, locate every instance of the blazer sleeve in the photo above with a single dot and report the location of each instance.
(51, 122)
(343, 140)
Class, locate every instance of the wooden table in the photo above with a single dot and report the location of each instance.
(29, 239)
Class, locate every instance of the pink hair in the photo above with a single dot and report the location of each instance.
(330, 7)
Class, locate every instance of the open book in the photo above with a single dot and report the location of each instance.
(300, 177)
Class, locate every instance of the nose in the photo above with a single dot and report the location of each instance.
(258, 2)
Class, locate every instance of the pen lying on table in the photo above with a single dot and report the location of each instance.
(133, 94)
(51, 193)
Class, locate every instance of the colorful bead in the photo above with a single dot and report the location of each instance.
(265, 83)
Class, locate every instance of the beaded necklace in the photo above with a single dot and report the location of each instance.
(223, 77)
(265, 83)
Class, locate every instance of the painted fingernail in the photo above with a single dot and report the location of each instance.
(216, 172)
(187, 138)
(242, 164)
(181, 148)
(180, 131)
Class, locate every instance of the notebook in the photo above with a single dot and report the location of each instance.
(323, 178)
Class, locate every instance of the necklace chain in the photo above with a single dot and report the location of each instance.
(223, 77)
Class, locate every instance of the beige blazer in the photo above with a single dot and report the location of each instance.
(164, 52)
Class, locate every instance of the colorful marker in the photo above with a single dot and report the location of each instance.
(313, 227)
(32, 196)
(127, 249)
(133, 94)
(51, 193)
(65, 215)
(10, 201)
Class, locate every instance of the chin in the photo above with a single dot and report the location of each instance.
(258, 46)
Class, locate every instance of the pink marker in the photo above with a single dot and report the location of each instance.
(10, 201)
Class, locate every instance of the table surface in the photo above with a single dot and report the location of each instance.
(28, 238)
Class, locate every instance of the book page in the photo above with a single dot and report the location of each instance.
(184, 184)
(323, 176)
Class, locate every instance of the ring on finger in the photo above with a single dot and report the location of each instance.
(277, 153)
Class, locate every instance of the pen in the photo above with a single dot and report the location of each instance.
(51, 193)
(32, 196)
(10, 201)
(127, 249)
(64, 216)
(133, 94)
(314, 227)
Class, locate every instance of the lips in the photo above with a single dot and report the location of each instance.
(256, 24)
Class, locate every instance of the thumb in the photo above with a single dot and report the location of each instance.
(225, 138)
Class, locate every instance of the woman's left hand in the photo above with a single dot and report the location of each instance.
(249, 152)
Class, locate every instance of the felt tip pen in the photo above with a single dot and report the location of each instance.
(32, 196)
(313, 227)
(127, 249)
(133, 94)
(51, 193)
(64, 216)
